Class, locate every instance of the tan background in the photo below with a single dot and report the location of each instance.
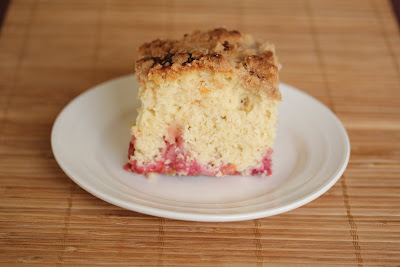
(345, 53)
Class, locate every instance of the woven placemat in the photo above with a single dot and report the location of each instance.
(344, 53)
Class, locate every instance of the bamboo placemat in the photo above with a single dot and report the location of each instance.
(344, 53)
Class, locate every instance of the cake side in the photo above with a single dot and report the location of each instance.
(205, 112)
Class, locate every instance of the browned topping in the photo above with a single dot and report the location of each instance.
(219, 50)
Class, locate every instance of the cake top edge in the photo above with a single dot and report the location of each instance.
(220, 50)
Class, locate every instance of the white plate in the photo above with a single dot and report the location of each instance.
(90, 141)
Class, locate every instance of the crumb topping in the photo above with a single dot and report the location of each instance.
(218, 50)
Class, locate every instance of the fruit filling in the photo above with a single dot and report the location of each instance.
(176, 159)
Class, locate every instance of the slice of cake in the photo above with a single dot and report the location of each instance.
(209, 105)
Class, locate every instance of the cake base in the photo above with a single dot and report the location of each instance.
(176, 160)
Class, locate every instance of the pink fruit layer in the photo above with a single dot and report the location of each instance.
(176, 160)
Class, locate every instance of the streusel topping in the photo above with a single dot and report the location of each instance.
(219, 50)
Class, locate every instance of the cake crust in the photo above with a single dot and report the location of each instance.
(219, 50)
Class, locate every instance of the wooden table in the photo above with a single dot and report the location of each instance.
(344, 53)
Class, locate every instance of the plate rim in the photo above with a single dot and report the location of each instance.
(190, 216)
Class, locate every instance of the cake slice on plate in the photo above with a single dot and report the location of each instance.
(209, 105)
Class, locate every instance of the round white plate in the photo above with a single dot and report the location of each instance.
(90, 140)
